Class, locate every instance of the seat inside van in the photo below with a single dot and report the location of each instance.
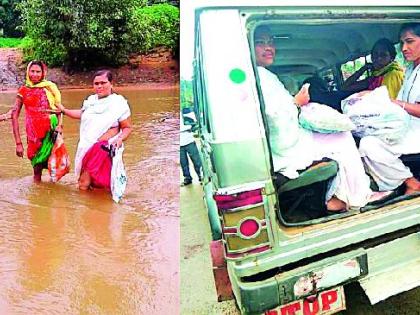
(301, 199)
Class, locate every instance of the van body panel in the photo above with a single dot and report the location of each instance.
(246, 162)
(340, 234)
(232, 102)
(230, 84)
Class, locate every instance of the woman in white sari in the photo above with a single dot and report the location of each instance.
(381, 159)
(105, 123)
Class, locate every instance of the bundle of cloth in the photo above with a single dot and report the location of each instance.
(374, 114)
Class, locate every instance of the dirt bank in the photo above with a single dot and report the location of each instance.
(154, 70)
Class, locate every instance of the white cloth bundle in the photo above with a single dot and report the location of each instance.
(324, 119)
(374, 114)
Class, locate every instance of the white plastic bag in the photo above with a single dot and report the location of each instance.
(374, 114)
(118, 175)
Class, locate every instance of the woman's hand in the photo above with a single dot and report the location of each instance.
(7, 115)
(302, 97)
(60, 107)
(117, 142)
(402, 104)
(59, 128)
(19, 149)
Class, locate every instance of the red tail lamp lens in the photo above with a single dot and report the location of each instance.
(249, 227)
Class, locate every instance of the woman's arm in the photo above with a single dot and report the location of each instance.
(15, 125)
(72, 113)
(125, 126)
(7, 115)
(412, 109)
(352, 84)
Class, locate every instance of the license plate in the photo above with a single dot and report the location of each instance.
(327, 302)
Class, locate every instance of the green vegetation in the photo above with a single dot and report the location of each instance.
(9, 18)
(10, 42)
(187, 97)
(82, 34)
(352, 66)
(155, 26)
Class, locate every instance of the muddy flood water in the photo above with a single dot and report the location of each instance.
(67, 252)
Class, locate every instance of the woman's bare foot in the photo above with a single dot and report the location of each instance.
(379, 195)
(412, 186)
(335, 204)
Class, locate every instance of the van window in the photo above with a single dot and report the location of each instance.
(352, 66)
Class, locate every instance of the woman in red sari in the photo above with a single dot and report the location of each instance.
(39, 97)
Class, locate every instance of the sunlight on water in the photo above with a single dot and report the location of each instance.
(68, 252)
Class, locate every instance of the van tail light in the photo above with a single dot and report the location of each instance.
(244, 226)
(249, 227)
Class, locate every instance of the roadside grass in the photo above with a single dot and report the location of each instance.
(6, 42)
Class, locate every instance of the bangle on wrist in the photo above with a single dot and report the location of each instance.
(18, 143)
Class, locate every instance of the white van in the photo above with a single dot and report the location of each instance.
(280, 262)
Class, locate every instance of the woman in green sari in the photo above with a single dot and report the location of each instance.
(39, 97)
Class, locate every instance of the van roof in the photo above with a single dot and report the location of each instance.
(295, 3)
(311, 38)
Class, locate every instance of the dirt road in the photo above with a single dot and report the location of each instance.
(198, 295)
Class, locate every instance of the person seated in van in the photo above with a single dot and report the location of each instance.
(382, 160)
(294, 148)
(384, 70)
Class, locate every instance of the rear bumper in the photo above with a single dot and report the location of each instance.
(386, 269)
(255, 297)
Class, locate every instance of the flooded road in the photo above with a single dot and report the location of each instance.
(67, 252)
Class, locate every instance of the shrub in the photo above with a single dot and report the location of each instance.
(83, 33)
(79, 33)
(154, 26)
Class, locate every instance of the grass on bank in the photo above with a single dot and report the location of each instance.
(10, 42)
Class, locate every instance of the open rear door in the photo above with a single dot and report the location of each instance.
(394, 267)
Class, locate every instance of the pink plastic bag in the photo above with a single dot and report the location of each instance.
(59, 160)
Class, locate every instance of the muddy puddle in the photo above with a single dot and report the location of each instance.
(67, 252)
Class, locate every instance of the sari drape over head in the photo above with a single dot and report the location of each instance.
(392, 76)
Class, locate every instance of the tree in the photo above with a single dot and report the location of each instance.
(154, 26)
(78, 33)
(9, 18)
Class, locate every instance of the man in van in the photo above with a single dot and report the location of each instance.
(188, 146)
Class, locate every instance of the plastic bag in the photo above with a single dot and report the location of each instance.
(374, 114)
(118, 175)
(59, 160)
(324, 119)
